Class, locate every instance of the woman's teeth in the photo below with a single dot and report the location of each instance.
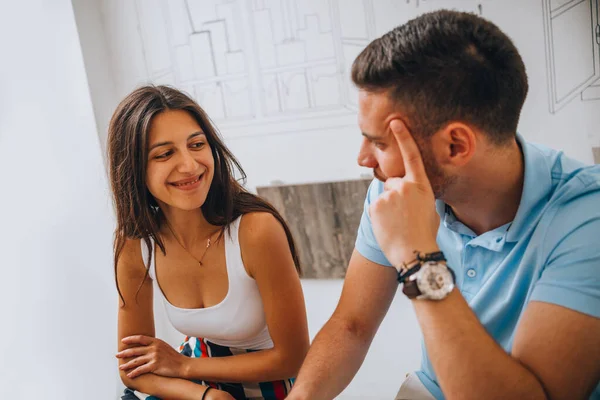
(187, 183)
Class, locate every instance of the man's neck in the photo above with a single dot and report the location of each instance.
(490, 196)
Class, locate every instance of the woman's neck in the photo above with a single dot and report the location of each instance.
(189, 227)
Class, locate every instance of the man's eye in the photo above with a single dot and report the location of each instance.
(380, 146)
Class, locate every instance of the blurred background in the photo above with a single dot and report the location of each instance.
(273, 75)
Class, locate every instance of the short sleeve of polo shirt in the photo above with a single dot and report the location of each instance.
(366, 244)
(571, 277)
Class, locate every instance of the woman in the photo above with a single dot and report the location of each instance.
(222, 260)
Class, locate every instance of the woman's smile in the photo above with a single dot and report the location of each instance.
(189, 183)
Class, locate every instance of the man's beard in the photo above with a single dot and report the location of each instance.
(378, 176)
(440, 181)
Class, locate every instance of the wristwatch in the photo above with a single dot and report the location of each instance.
(433, 280)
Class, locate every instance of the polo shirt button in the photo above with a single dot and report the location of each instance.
(471, 273)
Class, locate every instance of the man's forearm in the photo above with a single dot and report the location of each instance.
(332, 361)
(468, 363)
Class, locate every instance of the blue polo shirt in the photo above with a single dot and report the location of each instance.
(549, 253)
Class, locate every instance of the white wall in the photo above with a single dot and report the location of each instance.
(274, 77)
(274, 74)
(57, 297)
(98, 63)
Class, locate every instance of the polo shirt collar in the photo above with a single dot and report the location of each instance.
(537, 185)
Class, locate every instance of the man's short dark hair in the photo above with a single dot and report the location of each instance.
(448, 66)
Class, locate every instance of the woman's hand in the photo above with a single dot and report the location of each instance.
(151, 355)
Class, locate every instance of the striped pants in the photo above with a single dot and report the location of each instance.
(198, 348)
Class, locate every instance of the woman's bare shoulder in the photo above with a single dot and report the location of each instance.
(262, 242)
(131, 263)
(256, 227)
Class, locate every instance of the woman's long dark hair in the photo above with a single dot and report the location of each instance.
(136, 209)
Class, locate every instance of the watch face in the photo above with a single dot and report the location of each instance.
(435, 281)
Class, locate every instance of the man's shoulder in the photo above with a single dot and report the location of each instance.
(575, 209)
(576, 189)
(375, 189)
(574, 185)
(573, 212)
(567, 172)
(366, 244)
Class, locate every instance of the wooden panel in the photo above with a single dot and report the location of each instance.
(324, 219)
(596, 151)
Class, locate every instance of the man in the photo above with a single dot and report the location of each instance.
(519, 225)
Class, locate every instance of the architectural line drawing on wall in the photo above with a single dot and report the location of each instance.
(572, 35)
(208, 56)
(259, 62)
(259, 66)
(298, 61)
(316, 121)
(418, 3)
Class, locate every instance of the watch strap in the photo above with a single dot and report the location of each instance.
(407, 269)
(404, 275)
(411, 289)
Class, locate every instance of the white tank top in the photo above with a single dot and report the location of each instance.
(239, 320)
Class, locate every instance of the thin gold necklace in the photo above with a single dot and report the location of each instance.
(208, 243)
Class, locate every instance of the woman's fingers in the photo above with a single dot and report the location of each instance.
(132, 363)
(138, 339)
(145, 368)
(132, 352)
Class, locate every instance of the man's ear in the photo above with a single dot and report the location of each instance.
(455, 144)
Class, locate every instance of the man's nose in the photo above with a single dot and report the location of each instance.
(365, 158)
